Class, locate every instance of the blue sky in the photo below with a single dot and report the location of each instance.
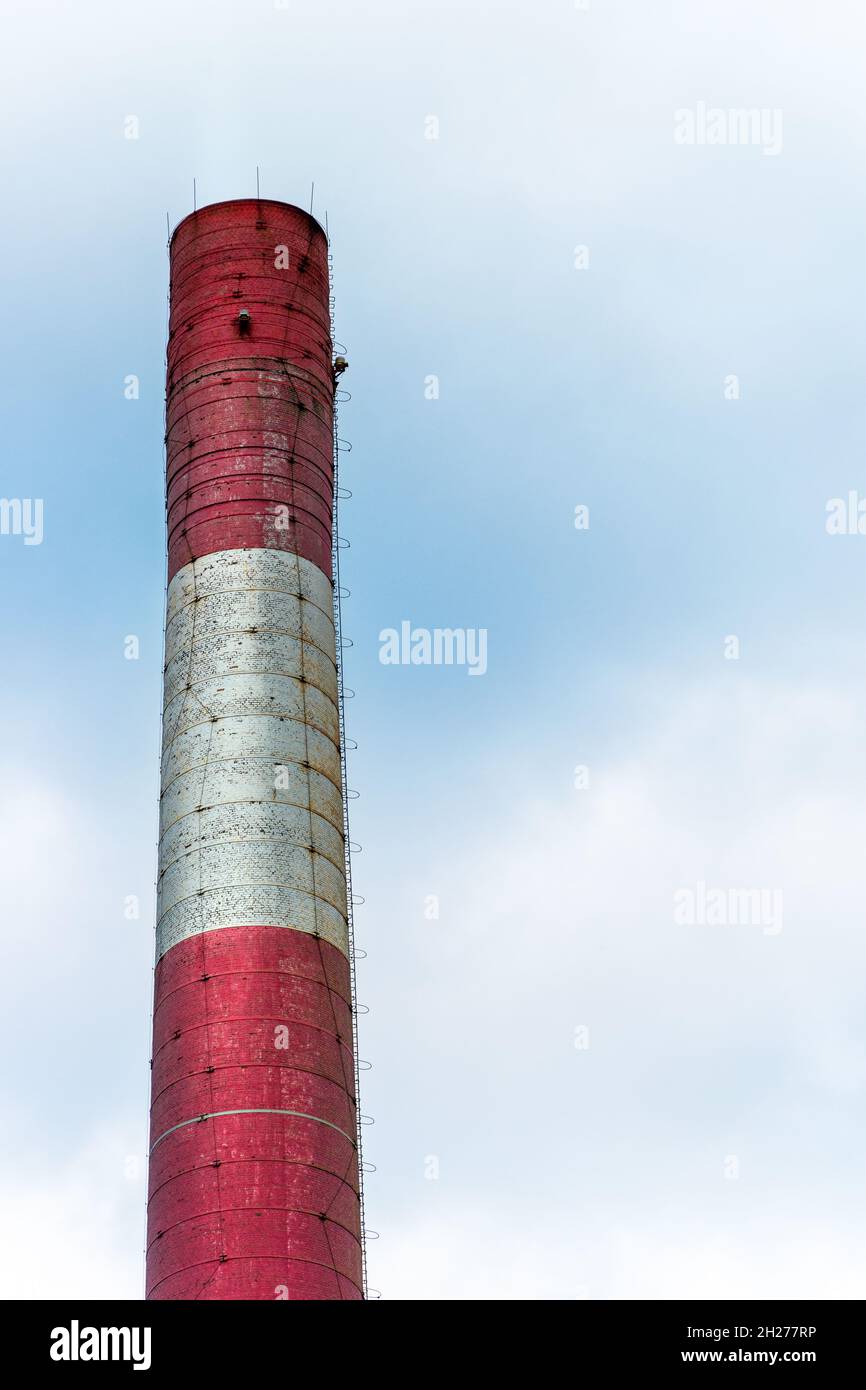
(563, 1172)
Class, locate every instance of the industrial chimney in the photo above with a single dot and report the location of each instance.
(254, 1172)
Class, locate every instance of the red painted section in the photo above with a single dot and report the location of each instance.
(249, 413)
(253, 1205)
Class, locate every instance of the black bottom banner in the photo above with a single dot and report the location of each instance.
(228, 1338)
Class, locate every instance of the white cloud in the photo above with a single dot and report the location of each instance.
(72, 1223)
(605, 1168)
(469, 1255)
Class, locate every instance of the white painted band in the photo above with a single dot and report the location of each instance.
(235, 694)
(248, 654)
(246, 570)
(239, 820)
(255, 736)
(264, 609)
(247, 863)
(251, 779)
(251, 815)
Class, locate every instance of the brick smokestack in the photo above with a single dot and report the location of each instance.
(254, 1175)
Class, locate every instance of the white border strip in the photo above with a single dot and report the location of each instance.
(217, 1114)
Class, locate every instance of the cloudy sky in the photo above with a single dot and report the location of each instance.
(577, 1093)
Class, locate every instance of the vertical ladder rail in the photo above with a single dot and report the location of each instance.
(338, 630)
